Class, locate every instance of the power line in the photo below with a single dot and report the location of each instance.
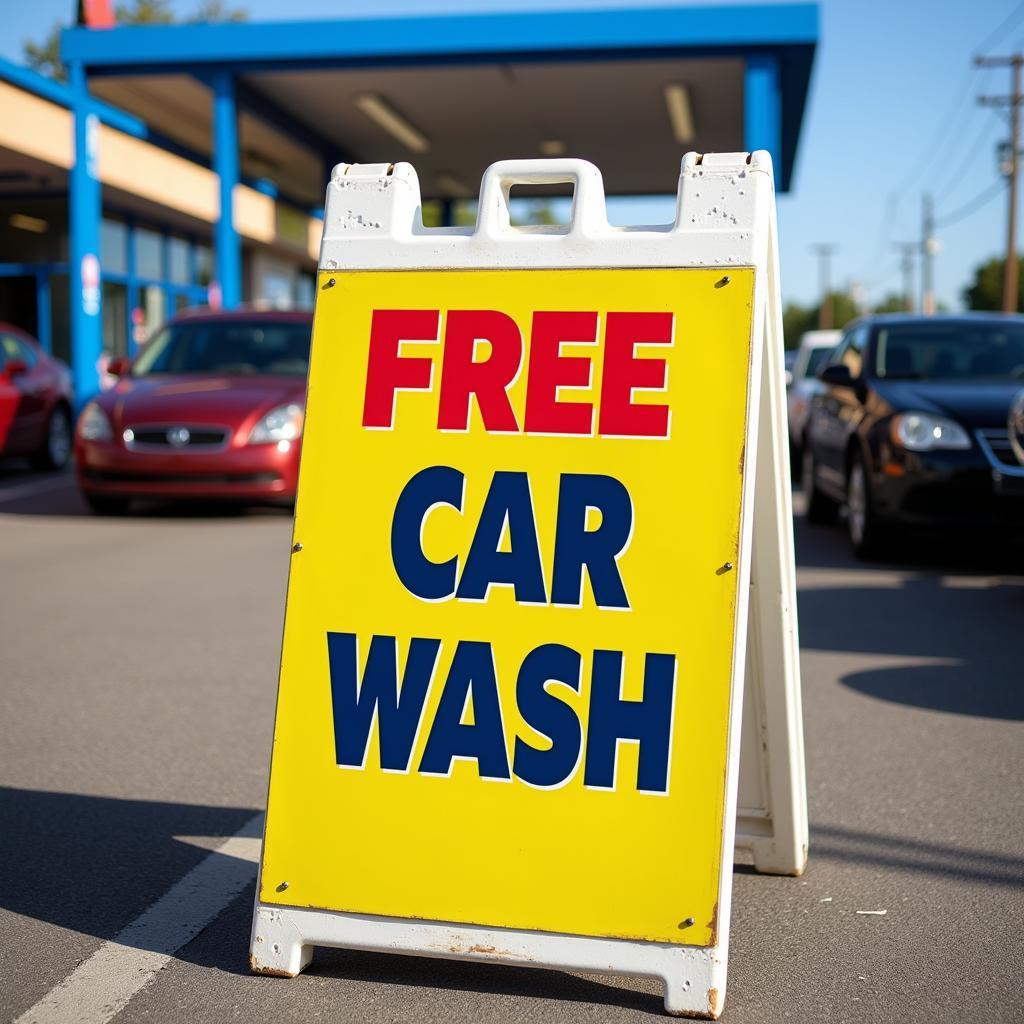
(970, 153)
(1003, 26)
(980, 200)
(942, 132)
(825, 251)
(1013, 103)
(908, 252)
(929, 247)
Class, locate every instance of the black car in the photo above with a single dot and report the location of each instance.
(912, 428)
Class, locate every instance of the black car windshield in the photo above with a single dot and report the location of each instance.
(816, 359)
(950, 351)
(234, 348)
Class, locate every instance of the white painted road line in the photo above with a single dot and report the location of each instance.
(36, 487)
(101, 986)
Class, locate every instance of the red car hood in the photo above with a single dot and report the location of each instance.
(215, 401)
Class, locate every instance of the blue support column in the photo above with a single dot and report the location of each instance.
(762, 108)
(84, 211)
(132, 296)
(227, 246)
(44, 317)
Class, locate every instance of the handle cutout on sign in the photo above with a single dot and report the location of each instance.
(494, 216)
(555, 194)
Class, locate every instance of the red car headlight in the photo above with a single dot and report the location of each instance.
(94, 424)
(281, 424)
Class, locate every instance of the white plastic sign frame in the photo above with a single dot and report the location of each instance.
(725, 217)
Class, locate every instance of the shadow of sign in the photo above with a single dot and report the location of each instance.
(958, 627)
(957, 689)
(906, 854)
(93, 864)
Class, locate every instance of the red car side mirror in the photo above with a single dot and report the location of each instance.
(119, 366)
(15, 367)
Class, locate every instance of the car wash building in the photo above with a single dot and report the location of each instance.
(186, 164)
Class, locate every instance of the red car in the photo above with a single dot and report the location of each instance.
(35, 401)
(211, 408)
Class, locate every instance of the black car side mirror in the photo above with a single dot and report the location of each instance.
(838, 374)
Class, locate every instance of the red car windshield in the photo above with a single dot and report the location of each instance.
(234, 348)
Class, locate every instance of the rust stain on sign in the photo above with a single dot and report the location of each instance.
(713, 926)
(714, 1003)
(274, 972)
(461, 950)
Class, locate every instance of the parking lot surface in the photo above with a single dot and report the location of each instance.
(139, 670)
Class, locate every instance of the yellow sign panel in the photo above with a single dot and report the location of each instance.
(506, 673)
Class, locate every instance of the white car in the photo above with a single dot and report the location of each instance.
(810, 358)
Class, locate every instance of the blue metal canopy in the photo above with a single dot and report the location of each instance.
(447, 86)
(775, 40)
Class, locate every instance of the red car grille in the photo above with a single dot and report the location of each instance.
(113, 476)
(177, 437)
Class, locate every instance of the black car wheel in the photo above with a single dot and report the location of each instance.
(820, 507)
(56, 448)
(106, 504)
(868, 536)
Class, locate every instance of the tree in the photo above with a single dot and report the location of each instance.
(44, 57)
(844, 309)
(986, 290)
(797, 320)
(525, 213)
(892, 303)
(217, 11)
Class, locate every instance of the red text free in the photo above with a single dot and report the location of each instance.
(463, 377)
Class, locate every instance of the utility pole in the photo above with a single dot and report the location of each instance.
(929, 247)
(825, 313)
(909, 250)
(1013, 101)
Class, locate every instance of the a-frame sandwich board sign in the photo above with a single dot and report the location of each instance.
(543, 505)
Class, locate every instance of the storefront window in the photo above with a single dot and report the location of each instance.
(18, 302)
(305, 291)
(115, 319)
(204, 264)
(60, 317)
(178, 259)
(153, 309)
(113, 246)
(149, 254)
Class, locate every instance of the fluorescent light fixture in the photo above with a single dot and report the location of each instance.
(27, 223)
(553, 147)
(680, 113)
(451, 185)
(375, 108)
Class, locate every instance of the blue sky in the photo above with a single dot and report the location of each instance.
(892, 112)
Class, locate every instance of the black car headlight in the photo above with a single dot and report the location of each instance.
(923, 432)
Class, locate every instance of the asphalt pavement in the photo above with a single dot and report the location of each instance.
(138, 661)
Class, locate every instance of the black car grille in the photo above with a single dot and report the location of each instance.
(169, 437)
(996, 445)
